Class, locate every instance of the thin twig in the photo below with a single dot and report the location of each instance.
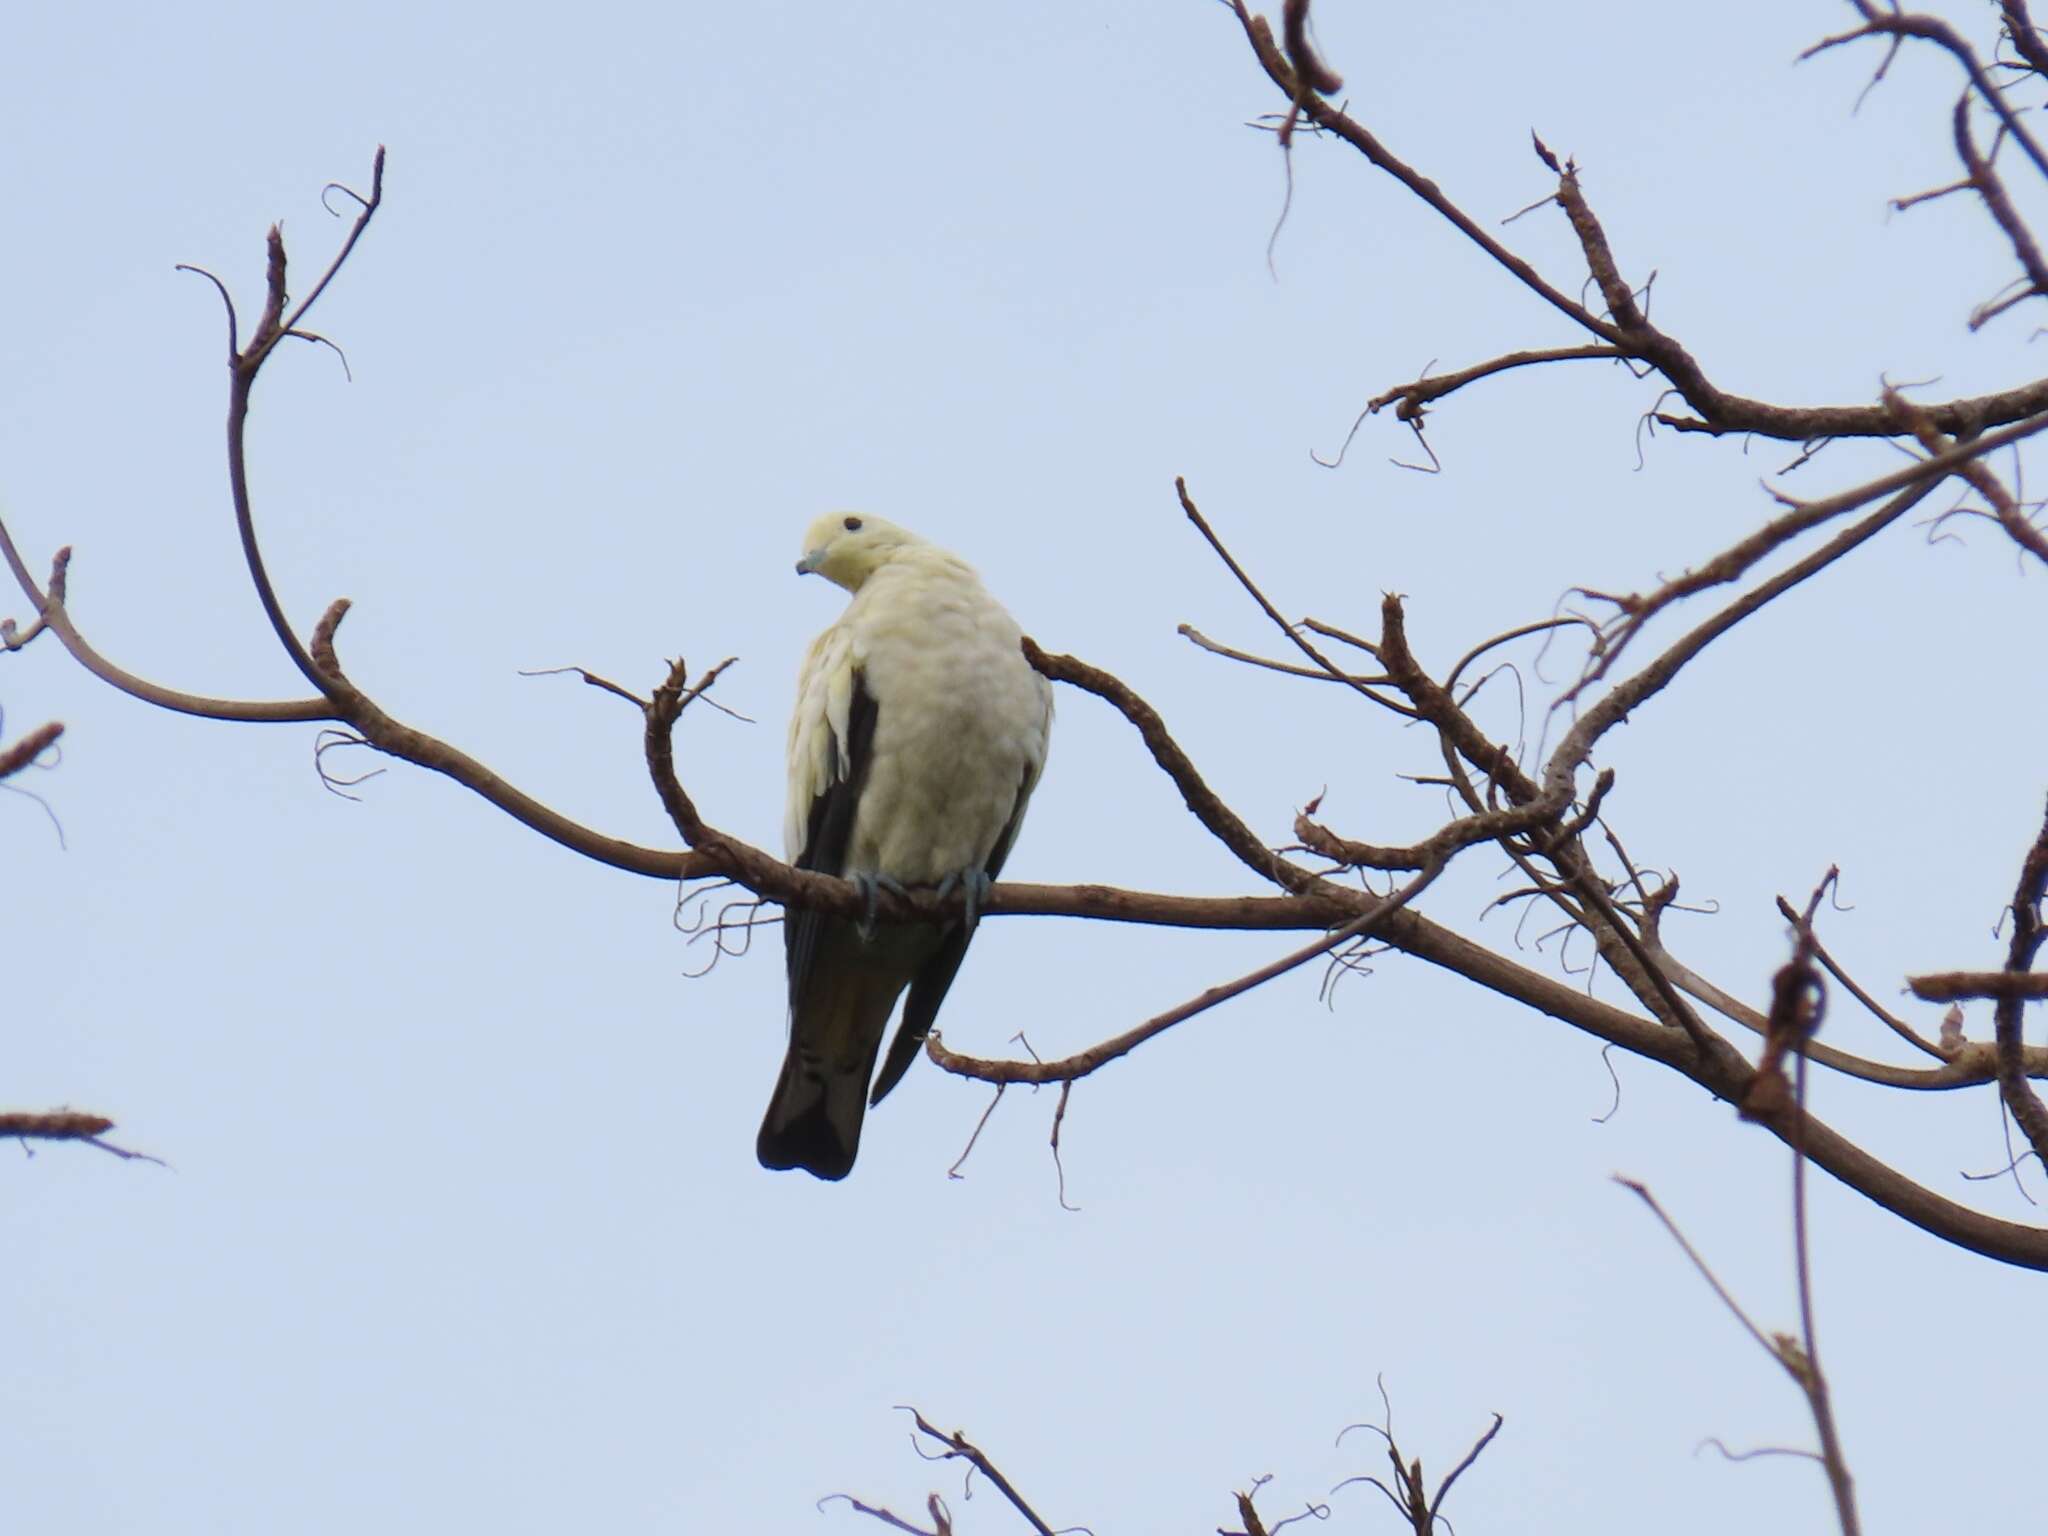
(2028, 935)
(1287, 668)
(1828, 963)
(1068, 1068)
(1291, 631)
(957, 1444)
(68, 1125)
(1642, 1192)
(954, 1171)
(32, 746)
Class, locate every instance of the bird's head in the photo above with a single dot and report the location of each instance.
(846, 548)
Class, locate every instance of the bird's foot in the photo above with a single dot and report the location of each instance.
(974, 885)
(871, 887)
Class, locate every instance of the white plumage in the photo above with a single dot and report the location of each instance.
(919, 733)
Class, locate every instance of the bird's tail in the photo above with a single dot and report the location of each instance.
(814, 1119)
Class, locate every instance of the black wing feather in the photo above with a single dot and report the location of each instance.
(808, 1124)
(829, 833)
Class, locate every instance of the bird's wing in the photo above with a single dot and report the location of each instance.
(839, 1006)
(831, 746)
(821, 735)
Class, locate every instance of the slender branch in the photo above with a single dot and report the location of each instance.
(2025, 38)
(13, 638)
(1961, 417)
(941, 1524)
(1332, 120)
(1223, 823)
(1413, 1501)
(1798, 1005)
(1990, 187)
(2028, 933)
(51, 610)
(1319, 839)
(1434, 703)
(1934, 29)
(68, 1125)
(957, 1444)
(1520, 631)
(366, 210)
(1069, 1068)
(1913, 484)
(1640, 974)
(54, 1125)
(1443, 1489)
(32, 746)
(1677, 364)
(243, 368)
(2005, 507)
(1796, 1362)
(1417, 394)
(1267, 663)
(1955, 986)
(1897, 1025)
(663, 710)
(1479, 827)
(1624, 698)
(1723, 1073)
(1291, 631)
(1965, 1067)
(1619, 945)
(396, 739)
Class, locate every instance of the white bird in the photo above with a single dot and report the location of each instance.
(920, 731)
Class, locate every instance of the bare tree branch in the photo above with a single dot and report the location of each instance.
(67, 1125)
(2028, 933)
(18, 756)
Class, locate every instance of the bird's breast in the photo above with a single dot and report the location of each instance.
(960, 722)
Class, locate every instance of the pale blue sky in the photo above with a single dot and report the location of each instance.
(464, 1228)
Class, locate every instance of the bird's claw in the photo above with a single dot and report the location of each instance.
(974, 885)
(871, 887)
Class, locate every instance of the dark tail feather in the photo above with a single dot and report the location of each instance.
(842, 991)
(902, 1052)
(813, 1121)
(927, 991)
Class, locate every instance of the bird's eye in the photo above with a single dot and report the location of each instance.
(852, 525)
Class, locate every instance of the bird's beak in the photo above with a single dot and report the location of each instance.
(810, 562)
